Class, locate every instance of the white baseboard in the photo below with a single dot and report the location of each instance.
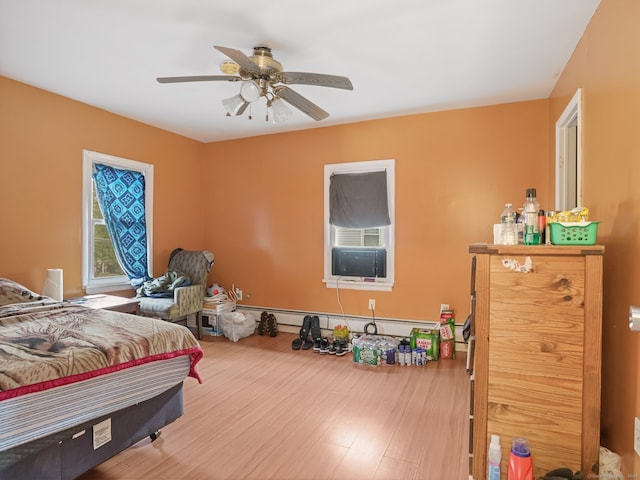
(290, 321)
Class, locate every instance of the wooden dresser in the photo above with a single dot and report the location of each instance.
(537, 329)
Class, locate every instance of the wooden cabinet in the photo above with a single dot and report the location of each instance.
(537, 354)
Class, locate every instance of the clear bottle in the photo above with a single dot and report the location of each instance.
(531, 208)
(508, 222)
(520, 225)
(495, 457)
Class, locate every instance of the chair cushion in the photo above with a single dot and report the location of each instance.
(163, 308)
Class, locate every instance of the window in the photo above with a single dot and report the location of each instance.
(369, 237)
(101, 271)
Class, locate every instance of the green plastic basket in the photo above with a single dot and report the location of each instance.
(574, 233)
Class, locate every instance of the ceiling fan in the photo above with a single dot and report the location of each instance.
(262, 76)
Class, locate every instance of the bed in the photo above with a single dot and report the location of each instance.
(78, 385)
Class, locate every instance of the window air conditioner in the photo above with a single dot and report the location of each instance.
(358, 262)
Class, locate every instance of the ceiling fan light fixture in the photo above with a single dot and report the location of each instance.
(235, 105)
(229, 67)
(250, 91)
(280, 113)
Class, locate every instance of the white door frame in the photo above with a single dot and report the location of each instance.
(570, 119)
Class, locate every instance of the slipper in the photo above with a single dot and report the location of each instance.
(296, 344)
(306, 326)
(308, 343)
(316, 333)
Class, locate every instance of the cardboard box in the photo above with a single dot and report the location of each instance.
(211, 324)
(427, 338)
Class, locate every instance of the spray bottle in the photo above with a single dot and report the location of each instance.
(520, 462)
(495, 457)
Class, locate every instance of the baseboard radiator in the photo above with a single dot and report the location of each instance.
(290, 321)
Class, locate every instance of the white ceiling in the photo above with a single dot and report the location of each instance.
(402, 56)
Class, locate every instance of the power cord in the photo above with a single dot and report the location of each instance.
(340, 304)
(372, 324)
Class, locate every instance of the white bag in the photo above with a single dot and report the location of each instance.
(237, 325)
(609, 465)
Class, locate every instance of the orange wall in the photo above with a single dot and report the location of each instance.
(606, 65)
(454, 172)
(41, 140)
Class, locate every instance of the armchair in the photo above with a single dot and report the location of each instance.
(186, 300)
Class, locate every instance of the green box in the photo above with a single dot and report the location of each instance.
(427, 338)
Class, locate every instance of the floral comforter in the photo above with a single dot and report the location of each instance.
(45, 344)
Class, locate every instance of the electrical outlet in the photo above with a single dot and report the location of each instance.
(636, 436)
(372, 304)
(238, 294)
(443, 307)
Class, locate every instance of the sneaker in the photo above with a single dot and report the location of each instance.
(317, 343)
(342, 348)
(324, 345)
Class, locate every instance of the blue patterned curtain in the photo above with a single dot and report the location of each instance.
(120, 195)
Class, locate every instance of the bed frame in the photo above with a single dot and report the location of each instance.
(68, 454)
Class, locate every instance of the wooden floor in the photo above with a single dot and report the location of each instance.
(266, 411)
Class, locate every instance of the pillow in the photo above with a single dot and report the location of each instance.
(13, 292)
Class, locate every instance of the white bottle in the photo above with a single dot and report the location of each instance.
(495, 457)
(508, 223)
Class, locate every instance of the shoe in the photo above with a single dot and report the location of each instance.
(342, 348)
(272, 325)
(306, 327)
(296, 344)
(333, 347)
(262, 326)
(308, 343)
(315, 328)
(317, 343)
(324, 346)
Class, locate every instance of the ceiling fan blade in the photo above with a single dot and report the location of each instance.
(240, 58)
(320, 79)
(301, 103)
(199, 78)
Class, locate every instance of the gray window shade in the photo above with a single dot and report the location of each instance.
(359, 200)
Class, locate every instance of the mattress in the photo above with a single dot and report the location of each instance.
(62, 364)
(35, 415)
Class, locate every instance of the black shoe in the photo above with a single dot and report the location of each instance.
(262, 326)
(272, 325)
(324, 345)
(317, 343)
(342, 348)
(306, 327)
(316, 333)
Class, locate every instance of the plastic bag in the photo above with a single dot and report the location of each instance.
(237, 325)
(609, 465)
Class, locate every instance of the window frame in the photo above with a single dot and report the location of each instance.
(388, 232)
(119, 282)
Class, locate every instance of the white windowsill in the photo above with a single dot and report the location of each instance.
(358, 284)
(107, 287)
